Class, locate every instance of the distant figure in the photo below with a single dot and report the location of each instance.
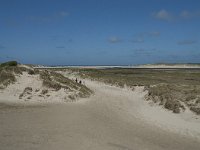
(80, 82)
(76, 80)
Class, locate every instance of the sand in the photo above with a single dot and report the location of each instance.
(152, 66)
(12, 92)
(112, 118)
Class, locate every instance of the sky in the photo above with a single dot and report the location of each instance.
(100, 32)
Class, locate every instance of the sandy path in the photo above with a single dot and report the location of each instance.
(109, 120)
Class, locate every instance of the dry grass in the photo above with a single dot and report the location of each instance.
(27, 91)
(175, 89)
(141, 77)
(57, 81)
(6, 78)
(8, 71)
(50, 79)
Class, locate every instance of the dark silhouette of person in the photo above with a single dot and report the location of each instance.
(80, 81)
(76, 80)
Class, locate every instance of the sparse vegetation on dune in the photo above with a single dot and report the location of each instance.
(51, 80)
(141, 77)
(175, 89)
(6, 78)
(8, 71)
(57, 81)
(173, 96)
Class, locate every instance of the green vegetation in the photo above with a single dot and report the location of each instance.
(9, 63)
(175, 89)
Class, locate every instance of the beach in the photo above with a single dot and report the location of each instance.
(112, 118)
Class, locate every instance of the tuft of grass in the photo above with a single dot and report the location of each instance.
(6, 78)
(26, 91)
(31, 72)
(173, 105)
(72, 97)
(48, 82)
(45, 91)
(195, 109)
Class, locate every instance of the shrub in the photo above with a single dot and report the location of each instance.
(198, 100)
(190, 97)
(173, 105)
(44, 92)
(9, 63)
(196, 110)
(31, 72)
(72, 97)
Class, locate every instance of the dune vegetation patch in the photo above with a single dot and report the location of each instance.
(174, 89)
(176, 97)
(8, 71)
(57, 81)
(39, 84)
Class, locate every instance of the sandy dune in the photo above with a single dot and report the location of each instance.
(12, 93)
(112, 119)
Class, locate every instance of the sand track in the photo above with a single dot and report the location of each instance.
(111, 119)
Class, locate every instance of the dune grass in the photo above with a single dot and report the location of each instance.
(8, 70)
(50, 79)
(174, 89)
(57, 81)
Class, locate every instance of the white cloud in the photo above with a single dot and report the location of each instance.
(185, 14)
(64, 14)
(188, 14)
(114, 39)
(168, 16)
(163, 15)
(138, 40)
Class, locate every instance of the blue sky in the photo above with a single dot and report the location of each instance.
(100, 32)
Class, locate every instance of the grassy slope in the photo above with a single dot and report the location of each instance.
(50, 79)
(174, 89)
(57, 81)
